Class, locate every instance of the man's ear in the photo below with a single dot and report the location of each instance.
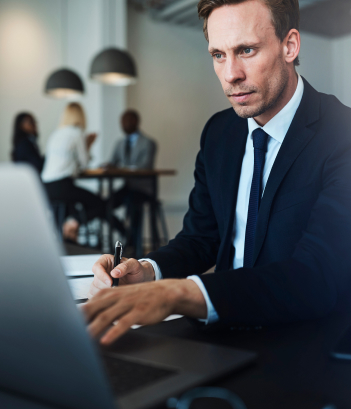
(292, 45)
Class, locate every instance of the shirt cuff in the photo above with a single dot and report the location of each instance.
(212, 315)
(158, 274)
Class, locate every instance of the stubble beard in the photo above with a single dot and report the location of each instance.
(275, 91)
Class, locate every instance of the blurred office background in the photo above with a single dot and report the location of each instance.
(176, 91)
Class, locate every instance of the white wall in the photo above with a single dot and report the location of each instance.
(341, 57)
(114, 98)
(34, 42)
(29, 49)
(317, 64)
(176, 93)
(82, 40)
(325, 64)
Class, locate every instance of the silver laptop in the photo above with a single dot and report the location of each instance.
(46, 354)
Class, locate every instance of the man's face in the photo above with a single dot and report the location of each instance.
(248, 57)
(129, 123)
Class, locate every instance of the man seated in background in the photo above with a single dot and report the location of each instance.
(271, 205)
(135, 151)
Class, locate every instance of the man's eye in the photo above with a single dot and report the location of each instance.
(247, 50)
(217, 56)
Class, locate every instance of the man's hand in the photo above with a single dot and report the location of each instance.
(130, 271)
(143, 304)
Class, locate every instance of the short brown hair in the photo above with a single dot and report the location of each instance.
(285, 15)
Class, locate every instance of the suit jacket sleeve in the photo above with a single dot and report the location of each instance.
(146, 159)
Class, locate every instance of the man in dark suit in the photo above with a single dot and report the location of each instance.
(271, 206)
(134, 151)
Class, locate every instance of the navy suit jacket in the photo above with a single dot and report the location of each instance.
(302, 255)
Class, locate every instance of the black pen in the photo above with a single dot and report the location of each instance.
(118, 257)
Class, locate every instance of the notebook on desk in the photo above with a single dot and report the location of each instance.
(46, 354)
(80, 265)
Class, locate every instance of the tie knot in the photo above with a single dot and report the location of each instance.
(260, 138)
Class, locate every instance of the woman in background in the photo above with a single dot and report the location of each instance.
(25, 147)
(67, 154)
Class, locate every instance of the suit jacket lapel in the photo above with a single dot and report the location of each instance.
(234, 149)
(295, 141)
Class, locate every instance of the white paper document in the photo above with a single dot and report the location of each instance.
(170, 318)
(79, 265)
(80, 287)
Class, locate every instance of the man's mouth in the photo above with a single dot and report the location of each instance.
(241, 96)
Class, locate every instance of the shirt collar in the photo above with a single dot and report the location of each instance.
(278, 126)
(133, 137)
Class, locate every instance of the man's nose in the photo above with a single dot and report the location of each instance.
(234, 71)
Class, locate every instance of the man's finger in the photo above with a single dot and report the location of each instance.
(102, 301)
(105, 318)
(102, 268)
(121, 327)
(94, 289)
(131, 266)
(101, 284)
(96, 286)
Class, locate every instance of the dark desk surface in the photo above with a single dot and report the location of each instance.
(293, 369)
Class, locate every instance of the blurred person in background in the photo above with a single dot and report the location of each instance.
(135, 151)
(67, 154)
(25, 147)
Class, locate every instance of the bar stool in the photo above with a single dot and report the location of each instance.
(60, 211)
(157, 223)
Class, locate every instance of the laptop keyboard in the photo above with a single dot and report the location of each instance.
(126, 376)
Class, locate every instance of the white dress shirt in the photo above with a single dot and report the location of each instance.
(66, 154)
(276, 128)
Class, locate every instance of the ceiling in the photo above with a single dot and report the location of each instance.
(330, 18)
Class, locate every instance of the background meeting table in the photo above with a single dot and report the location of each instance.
(110, 174)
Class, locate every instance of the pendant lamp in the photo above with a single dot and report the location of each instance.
(113, 67)
(64, 83)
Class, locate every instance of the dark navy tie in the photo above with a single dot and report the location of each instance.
(259, 137)
(128, 150)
